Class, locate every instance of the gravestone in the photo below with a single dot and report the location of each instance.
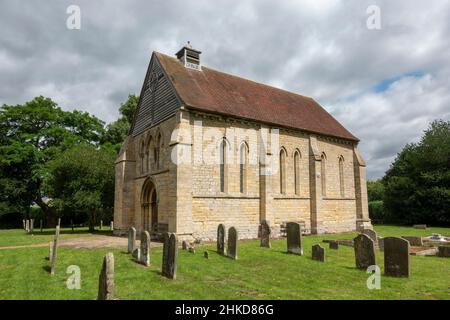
(221, 239)
(232, 243)
(24, 224)
(396, 257)
(31, 225)
(131, 239)
(265, 234)
(136, 254)
(111, 226)
(381, 243)
(191, 250)
(334, 245)
(294, 238)
(106, 279)
(414, 241)
(364, 251)
(184, 245)
(318, 253)
(206, 254)
(27, 225)
(444, 251)
(54, 252)
(371, 233)
(50, 251)
(170, 255)
(59, 222)
(420, 226)
(145, 248)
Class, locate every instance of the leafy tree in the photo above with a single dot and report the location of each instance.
(375, 190)
(81, 181)
(31, 135)
(117, 131)
(417, 185)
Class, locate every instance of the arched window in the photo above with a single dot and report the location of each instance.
(297, 172)
(243, 159)
(323, 174)
(341, 176)
(223, 165)
(283, 171)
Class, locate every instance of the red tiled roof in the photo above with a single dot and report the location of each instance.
(214, 91)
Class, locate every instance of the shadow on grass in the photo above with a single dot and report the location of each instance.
(47, 268)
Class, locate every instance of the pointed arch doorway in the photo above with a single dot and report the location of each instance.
(149, 205)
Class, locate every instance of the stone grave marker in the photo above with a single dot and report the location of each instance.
(31, 225)
(420, 226)
(318, 253)
(334, 245)
(136, 254)
(396, 257)
(24, 224)
(221, 239)
(170, 256)
(372, 234)
(364, 251)
(106, 279)
(54, 252)
(232, 243)
(27, 226)
(131, 239)
(294, 238)
(206, 254)
(414, 241)
(444, 251)
(184, 245)
(111, 225)
(145, 248)
(265, 234)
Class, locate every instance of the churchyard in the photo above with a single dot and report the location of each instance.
(257, 270)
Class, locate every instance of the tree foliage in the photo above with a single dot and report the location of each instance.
(417, 185)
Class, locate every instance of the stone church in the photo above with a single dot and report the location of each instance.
(207, 147)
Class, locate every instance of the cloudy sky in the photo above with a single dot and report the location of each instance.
(385, 85)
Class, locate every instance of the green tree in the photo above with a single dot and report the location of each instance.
(117, 131)
(31, 135)
(375, 190)
(417, 185)
(81, 180)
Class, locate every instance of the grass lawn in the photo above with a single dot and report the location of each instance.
(18, 237)
(258, 273)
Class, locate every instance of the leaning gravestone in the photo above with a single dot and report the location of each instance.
(54, 252)
(106, 279)
(232, 243)
(170, 256)
(131, 239)
(318, 253)
(294, 238)
(371, 233)
(414, 241)
(334, 245)
(364, 251)
(396, 257)
(265, 234)
(27, 225)
(145, 248)
(221, 239)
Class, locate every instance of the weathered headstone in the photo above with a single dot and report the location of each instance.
(191, 250)
(232, 248)
(420, 226)
(444, 251)
(206, 254)
(27, 225)
(111, 225)
(372, 234)
(50, 251)
(184, 245)
(145, 248)
(334, 245)
(318, 253)
(106, 279)
(131, 239)
(396, 257)
(221, 239)
(364, 251)
(294, 238)
(414, 241)
(54, 252)
(265, 234)
(170, 256)
(24, 224)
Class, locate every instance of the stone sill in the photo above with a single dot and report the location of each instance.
(225, 196)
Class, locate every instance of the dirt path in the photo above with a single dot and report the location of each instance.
(92, 242)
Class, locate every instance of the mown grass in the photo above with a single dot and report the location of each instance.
(18, 237)
(259, 273)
